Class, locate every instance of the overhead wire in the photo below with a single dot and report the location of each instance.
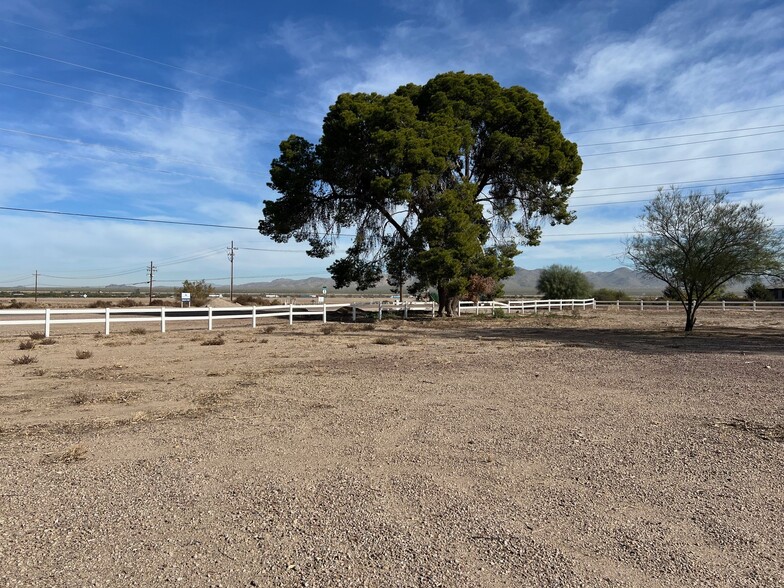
(131, 165)
(121, 110)
(145, 82)
(680, 136)
(660, 122)
(683, 159)
(133, 152)
(136, 56)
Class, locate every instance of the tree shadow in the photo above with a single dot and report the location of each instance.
(708, 339)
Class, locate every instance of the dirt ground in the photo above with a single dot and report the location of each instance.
(594, 449)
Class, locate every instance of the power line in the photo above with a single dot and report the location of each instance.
(678, 136)
(138, 81)
(682, 144)
(685, 159)
(648, 199)
(134, 55)
(127, 218)
(129, 151)
(689, 187)
(121, 110)
(660, 122)
(770, 177)
(130, 165)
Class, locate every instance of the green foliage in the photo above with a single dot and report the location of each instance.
(200, 291)
(610, 294)
(698, 243)
(758, 291)
(563, 282)
(439, 182)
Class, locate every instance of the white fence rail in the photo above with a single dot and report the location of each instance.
(667, 305)
(48, 317)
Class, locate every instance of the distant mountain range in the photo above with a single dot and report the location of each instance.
(523, 282)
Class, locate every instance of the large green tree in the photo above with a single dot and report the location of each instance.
(563, 282)
(697, 243)
(439, 182)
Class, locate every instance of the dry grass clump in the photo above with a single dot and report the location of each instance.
(27, 345)
(329, 329)
(36, 335)
(369, 327)
(24, 360)
(47, 341)
(72, 454)
(138, 331)
(385, 340)
(83, 354)
(217, 340)
(269, 329)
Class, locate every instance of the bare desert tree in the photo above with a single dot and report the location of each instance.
(699, 242)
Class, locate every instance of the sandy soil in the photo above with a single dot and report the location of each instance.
(605, 449)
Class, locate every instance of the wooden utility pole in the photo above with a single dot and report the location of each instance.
(36, 285)
(231, 250)
(151, 271)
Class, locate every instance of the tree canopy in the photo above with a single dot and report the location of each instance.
(698, 243)
(559, 282)
(437, 183)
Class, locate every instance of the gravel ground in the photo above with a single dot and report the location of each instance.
(605, 449)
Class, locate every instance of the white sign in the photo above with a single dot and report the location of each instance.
(186, 296)
(324, 290)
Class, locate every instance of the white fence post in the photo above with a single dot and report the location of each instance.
(458, 308)
(163, 319)
(405, 310)
(47, 322)
(291, 314)
(667, 303)
(253, 320)
(106, 323)
(617, 305)
(209, 318)
(324, 311)
(641, 304)
(354, 312)
(379, 310)
(432, 309)
(754, 305)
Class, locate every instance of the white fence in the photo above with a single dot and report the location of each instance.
(667, 305)
(49, 317)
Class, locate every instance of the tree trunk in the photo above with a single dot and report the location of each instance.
(691, 312)
(441, 299)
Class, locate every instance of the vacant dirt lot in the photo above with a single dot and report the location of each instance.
(606, 449)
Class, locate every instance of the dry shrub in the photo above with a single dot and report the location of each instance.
(47, 341)
(80, 398)
(385, 340)
(39, 372)
(217, 340)
(70, 455)
(36, 336)
(24, 360)
(265, 340)
(369, 327)
(269, 329)
(100, 304)
(351, 345)
(328, 329)
(83, 354)
(27, 345)
(138, 331)
(127, 303)
(14, 304)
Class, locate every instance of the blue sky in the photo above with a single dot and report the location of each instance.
(172, 111)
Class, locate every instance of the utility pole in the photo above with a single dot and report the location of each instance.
(231, 250)
(36, 285)
(151, 271)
